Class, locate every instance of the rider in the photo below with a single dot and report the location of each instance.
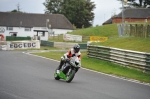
(75, 51)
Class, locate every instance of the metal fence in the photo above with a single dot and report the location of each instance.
(13, 38)
(134, 59)
(134, 30)
(47, 43)
(85, 38)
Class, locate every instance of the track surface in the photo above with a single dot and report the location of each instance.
(24, 76)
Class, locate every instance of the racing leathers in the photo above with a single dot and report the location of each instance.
(70, 53)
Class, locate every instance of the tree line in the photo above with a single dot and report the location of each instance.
(80, 12)
(137, 3)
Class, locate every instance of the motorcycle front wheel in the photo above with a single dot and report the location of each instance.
(56, 77)
(70, 76)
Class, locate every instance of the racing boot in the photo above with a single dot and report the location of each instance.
(60, 65)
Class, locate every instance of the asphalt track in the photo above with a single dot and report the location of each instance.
(24, 76)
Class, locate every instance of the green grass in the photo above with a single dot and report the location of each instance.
(103, 66)
(49, 48)
(128, 43)
(106, 30)
(41, 48)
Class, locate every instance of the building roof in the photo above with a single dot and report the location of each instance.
(135, 13)
(109, 21)
(16, 19)
(131, 13)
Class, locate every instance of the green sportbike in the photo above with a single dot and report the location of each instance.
(68, 70)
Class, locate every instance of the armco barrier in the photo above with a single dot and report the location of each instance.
(134, 59)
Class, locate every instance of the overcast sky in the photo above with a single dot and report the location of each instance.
(104, 8)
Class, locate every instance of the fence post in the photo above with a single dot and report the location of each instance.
(148, 31)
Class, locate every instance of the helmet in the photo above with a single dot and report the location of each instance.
(76, 48)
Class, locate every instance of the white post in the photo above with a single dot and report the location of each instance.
(50, 30)
(122, 17)
(46, 24)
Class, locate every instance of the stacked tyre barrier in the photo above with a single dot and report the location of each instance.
(131, 59)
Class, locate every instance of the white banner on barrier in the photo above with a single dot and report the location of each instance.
(69, 37)
(23, 44)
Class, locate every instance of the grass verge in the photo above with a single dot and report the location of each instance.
(128, 43)
(103, 66)
(41, 48)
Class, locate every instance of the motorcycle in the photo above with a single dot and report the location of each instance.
(68, 70)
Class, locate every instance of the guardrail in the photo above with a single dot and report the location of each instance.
(134, 59)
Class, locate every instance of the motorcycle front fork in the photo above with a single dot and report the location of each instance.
(69, 71)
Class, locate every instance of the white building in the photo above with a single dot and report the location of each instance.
(33, 25)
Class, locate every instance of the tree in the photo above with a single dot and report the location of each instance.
(78, 12)
(14, 10)
(53, 6)
(138, 3)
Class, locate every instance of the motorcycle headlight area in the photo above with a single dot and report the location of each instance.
(77, 63)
